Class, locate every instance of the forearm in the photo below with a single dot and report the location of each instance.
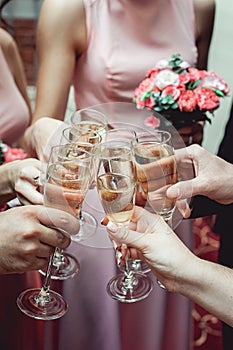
(209, 285)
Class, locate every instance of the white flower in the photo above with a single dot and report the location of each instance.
(166, 77)
(184, 65)
(162, 64)
(212, 81)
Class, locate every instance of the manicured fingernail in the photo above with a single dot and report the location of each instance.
(104, 221)
(112, 227)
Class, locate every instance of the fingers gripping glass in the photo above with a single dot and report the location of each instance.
(116, 184)
(88, 125)
(65, 187)
(156, 171)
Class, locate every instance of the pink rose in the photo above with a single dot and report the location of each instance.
(152, 72)
(174, 91)
(152, 122)
(149, 103)
(14, 154)
(213, 81)
(145, 85)
(194, 74)
(184, 78)
(187, 101)
(206, 99)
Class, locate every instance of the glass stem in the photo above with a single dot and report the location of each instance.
(128, 281)
(43, 297)
(168, 221)
(80, 217)
(58, 258)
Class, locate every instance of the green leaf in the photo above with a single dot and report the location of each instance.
(145, 95)
(219, 93)
(195, 84)
(175, 106)
(158, 109)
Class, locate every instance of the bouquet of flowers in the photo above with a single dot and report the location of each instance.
(8, 154)
(175, 86)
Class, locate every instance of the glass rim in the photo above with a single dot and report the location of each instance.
(167, 138)
(95, 133)
(87, 109)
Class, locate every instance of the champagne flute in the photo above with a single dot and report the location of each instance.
(80, 153)
(64, 188)
(64, 264)
(87, 121)
(127, 134)
(156, 171)
(82, 136)
(87, 139)
(116, 185)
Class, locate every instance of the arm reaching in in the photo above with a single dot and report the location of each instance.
(176, 267)
(213, 176)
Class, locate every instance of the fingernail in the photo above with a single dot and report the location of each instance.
(104, 221)
(112, 227)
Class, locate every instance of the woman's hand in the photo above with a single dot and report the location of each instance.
(41, 135)
(150, 239)
(29, 234)
(26, 181)
(212, 176)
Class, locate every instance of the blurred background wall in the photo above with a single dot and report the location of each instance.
(22, 17)
(221, 61)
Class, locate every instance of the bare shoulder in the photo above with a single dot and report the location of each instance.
(62, 18)
(64, 12)
(9, 47)
(6, 41)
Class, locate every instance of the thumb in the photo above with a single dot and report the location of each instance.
(184, 189)
(129, 237)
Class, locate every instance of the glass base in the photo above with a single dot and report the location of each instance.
(62, 271)
(55, 308)
(88, 226)
(136, 265)
(139, 289)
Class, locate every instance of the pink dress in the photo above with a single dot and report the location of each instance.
(125, 39)
(14, 113)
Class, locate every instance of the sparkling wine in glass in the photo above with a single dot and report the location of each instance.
(116, 185)
(156, 171)
(65, 265)
(128, 134)
(77, 152)
(87, 121)
(64, 188)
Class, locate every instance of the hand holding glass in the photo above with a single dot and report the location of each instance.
(65, 186)
(116, 189)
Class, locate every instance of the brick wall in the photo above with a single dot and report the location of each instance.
(24, 33)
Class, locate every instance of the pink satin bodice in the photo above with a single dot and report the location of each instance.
(14, 114)
(125, 39)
